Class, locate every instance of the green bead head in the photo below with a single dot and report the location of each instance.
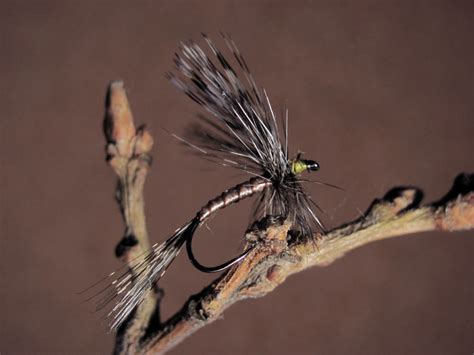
(299, 165)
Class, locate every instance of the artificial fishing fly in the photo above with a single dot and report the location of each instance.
(241, 132)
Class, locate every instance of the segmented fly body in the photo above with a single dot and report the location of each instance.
(241, 131)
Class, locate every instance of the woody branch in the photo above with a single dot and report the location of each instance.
(397, 214)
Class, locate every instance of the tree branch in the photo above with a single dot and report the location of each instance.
(274, 258)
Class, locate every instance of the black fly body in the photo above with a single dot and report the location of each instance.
(241, 131)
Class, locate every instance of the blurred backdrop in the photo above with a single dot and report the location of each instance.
(379, 92)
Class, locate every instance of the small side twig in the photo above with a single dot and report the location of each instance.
(398, 213)
(128, 153)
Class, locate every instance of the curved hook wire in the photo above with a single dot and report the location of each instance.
(211, 269)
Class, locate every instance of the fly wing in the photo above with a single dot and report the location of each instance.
(242, 129)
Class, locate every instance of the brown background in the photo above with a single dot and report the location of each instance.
(379, 92)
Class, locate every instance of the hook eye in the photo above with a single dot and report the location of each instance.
(311, 165)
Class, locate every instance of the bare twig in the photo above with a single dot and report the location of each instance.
(275, 258)
(128, 154)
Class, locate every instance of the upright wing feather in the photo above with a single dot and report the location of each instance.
(243, 129)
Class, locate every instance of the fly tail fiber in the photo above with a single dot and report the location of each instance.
(123, 290)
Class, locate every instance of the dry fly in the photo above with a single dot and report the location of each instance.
(240, 131)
